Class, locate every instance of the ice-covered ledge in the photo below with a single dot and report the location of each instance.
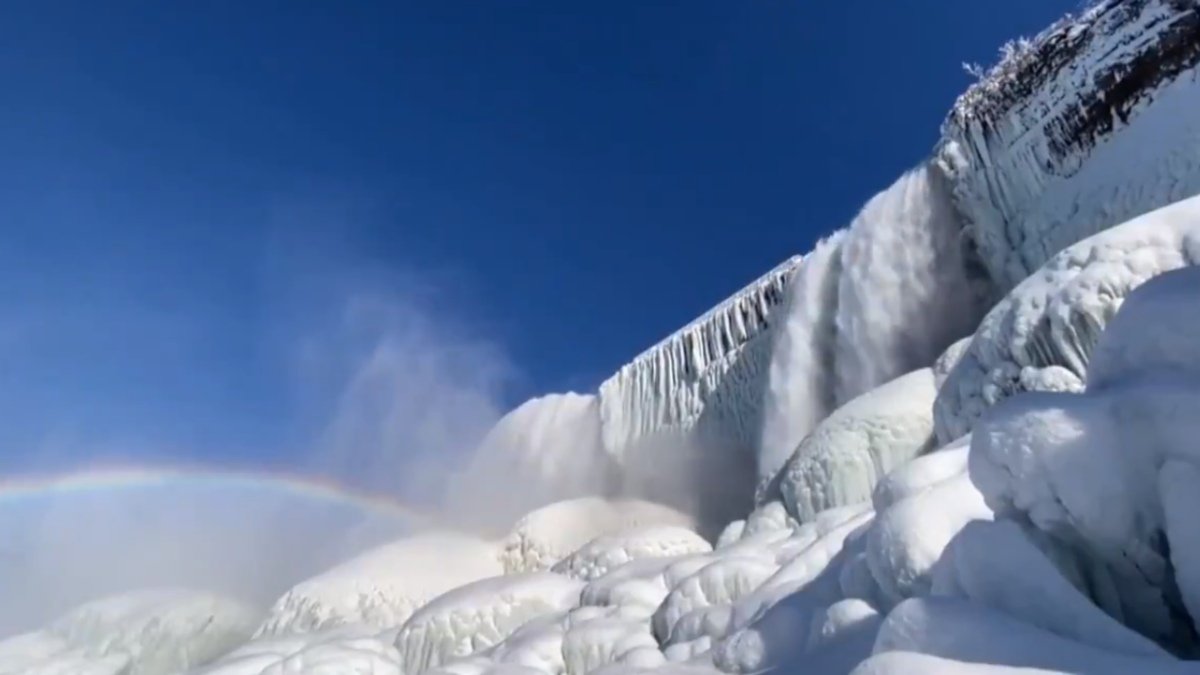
(1089, 124)
(708, 368)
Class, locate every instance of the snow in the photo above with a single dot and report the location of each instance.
(551, 533)
(1040, 337)
(383, 586)
(1044, 457)
(479, 615)
(347, 650)
(1091, 126)
(839, 463)
(141, 633)
(608, 552)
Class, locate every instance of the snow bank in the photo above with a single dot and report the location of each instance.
(1040, 337)
(479, 615)
(840, 462)
(1091, 124)
(384, 586)
(608, 552)
(347, 650)
(1104, 474)
(549, 534)
(143, 633)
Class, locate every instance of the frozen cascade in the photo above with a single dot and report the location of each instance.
(908, 287)
(799, 391)
(669, 387)
(1086, 126)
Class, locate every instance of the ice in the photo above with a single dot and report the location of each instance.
(148, 632)
(608, 552)
(384, 586)
(1040, 337)
(959, 631)
(907, 287)
(702, 385)
(346, 650)
(799, 385)
(839, 463)
(551, 533)
(996, 565)
(479, 615)
(1089, 126)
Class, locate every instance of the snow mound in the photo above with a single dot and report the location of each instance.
(608, 552)
(479, 615)
(840, 462)
(549, 534)
(346, 650)
(1106, 475)
(143, 633)
(384, 586)
(1040, 337)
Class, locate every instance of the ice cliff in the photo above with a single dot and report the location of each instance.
(1087, 125)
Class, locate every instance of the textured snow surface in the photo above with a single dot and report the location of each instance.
(839, 463)
(549, 534)
(1040, 337)
(479, 615)
(383, 586)
(1091, 125)
(142, 633)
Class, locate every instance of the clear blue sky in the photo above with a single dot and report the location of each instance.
(185, 187)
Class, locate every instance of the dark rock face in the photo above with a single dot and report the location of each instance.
(1032, 149)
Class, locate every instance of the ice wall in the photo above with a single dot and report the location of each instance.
(1091, 123)
(712, 368)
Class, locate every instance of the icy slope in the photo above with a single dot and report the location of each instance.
(1040, 337)
(143, 633)
(384, 586)
(1092, 123)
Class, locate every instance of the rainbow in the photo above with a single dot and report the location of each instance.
(31, 486)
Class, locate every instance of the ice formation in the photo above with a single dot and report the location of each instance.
(840, 462)
(1084, 127)
(384, 586)
(1016, 500)
(1041, 335)
(151, 632)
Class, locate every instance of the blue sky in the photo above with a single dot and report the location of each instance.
(192, 194)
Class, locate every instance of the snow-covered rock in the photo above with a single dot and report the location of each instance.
(384, 586)
(549, 534)
(143, 633)
(1086, 126)
(840, 462)
(480, 615)
(346, 650)
(608, 552)
(1040, 337)
(1105, 474)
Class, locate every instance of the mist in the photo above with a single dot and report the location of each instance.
(381, 383)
